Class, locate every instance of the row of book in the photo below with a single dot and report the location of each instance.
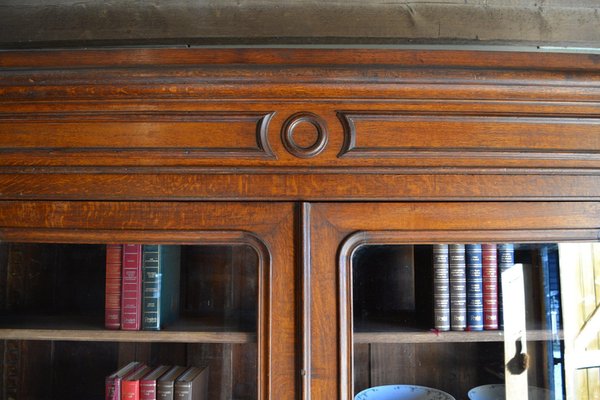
(142, 286)
(138, 381)
(466, 287)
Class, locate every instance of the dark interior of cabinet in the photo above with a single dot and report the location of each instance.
(61, 286)
(392, 288)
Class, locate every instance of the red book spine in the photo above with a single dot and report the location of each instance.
(148, 389)
(130, 390)
(131, 301)
(490, 286)
(112, 305)
(113, 389)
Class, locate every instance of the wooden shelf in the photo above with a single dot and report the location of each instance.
(186, 330)
(444, 337)
(127, 336)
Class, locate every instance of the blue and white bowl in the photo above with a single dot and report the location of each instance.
(402, 392)
(497, 392)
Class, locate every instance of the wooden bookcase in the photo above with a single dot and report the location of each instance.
(277, 166)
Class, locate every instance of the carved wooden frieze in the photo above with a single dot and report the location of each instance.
(298, 124)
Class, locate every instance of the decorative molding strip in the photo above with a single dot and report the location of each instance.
(304, 298)
(392, 135)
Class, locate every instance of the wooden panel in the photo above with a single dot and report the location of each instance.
(114, 137)
(393, 135)
(451, 367)
(252, 185)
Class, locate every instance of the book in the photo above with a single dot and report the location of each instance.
(165, 385)
(192, 384)
(148, 382)
(474, 271)
(458, 287)
(506, 259)
(160, 283)
(130, 386)
(114, 380)
(441, 287)
(112, 299)
(131, 298)
(489, 268)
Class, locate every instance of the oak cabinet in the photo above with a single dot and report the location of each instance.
(306, 188)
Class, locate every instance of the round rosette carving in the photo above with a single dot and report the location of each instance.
(304, 135)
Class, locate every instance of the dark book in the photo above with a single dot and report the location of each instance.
(165, 386)
(458, 287)
(148, 382)
(506, 259)
(11, 375)
(441, 287)
(130, 386)
(192, 384)
(114, 380)
(161, 272)
(490, 286)
(474, 287)
(551, 308)
(131, 300)
(112, 298)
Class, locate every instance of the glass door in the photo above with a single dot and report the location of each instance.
(186, 294)
(457, 300)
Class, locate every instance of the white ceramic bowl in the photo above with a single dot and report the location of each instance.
(496, 392)
(402, 392)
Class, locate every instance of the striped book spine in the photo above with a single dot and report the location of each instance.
(458, 287)
(151, 288)
(506, 259)
(131, 300)
(474, 287)
(441, 287)
(490, 286)
(112, 298)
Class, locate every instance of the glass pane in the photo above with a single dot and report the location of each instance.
(53, 315)
(410, 329)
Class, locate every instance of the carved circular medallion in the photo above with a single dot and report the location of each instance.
(304, 135)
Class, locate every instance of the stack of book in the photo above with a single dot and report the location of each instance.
(467, 294)
(142, 286)
(138, 381)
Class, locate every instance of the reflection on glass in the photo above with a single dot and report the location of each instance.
(396, 339)
(52, 291)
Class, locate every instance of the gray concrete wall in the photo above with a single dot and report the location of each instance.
(69, 22)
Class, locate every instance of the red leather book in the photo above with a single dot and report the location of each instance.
(148, 382)
(490, 286)
(131, 297)
(130, 386)
(114, 380)
(112, 302)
